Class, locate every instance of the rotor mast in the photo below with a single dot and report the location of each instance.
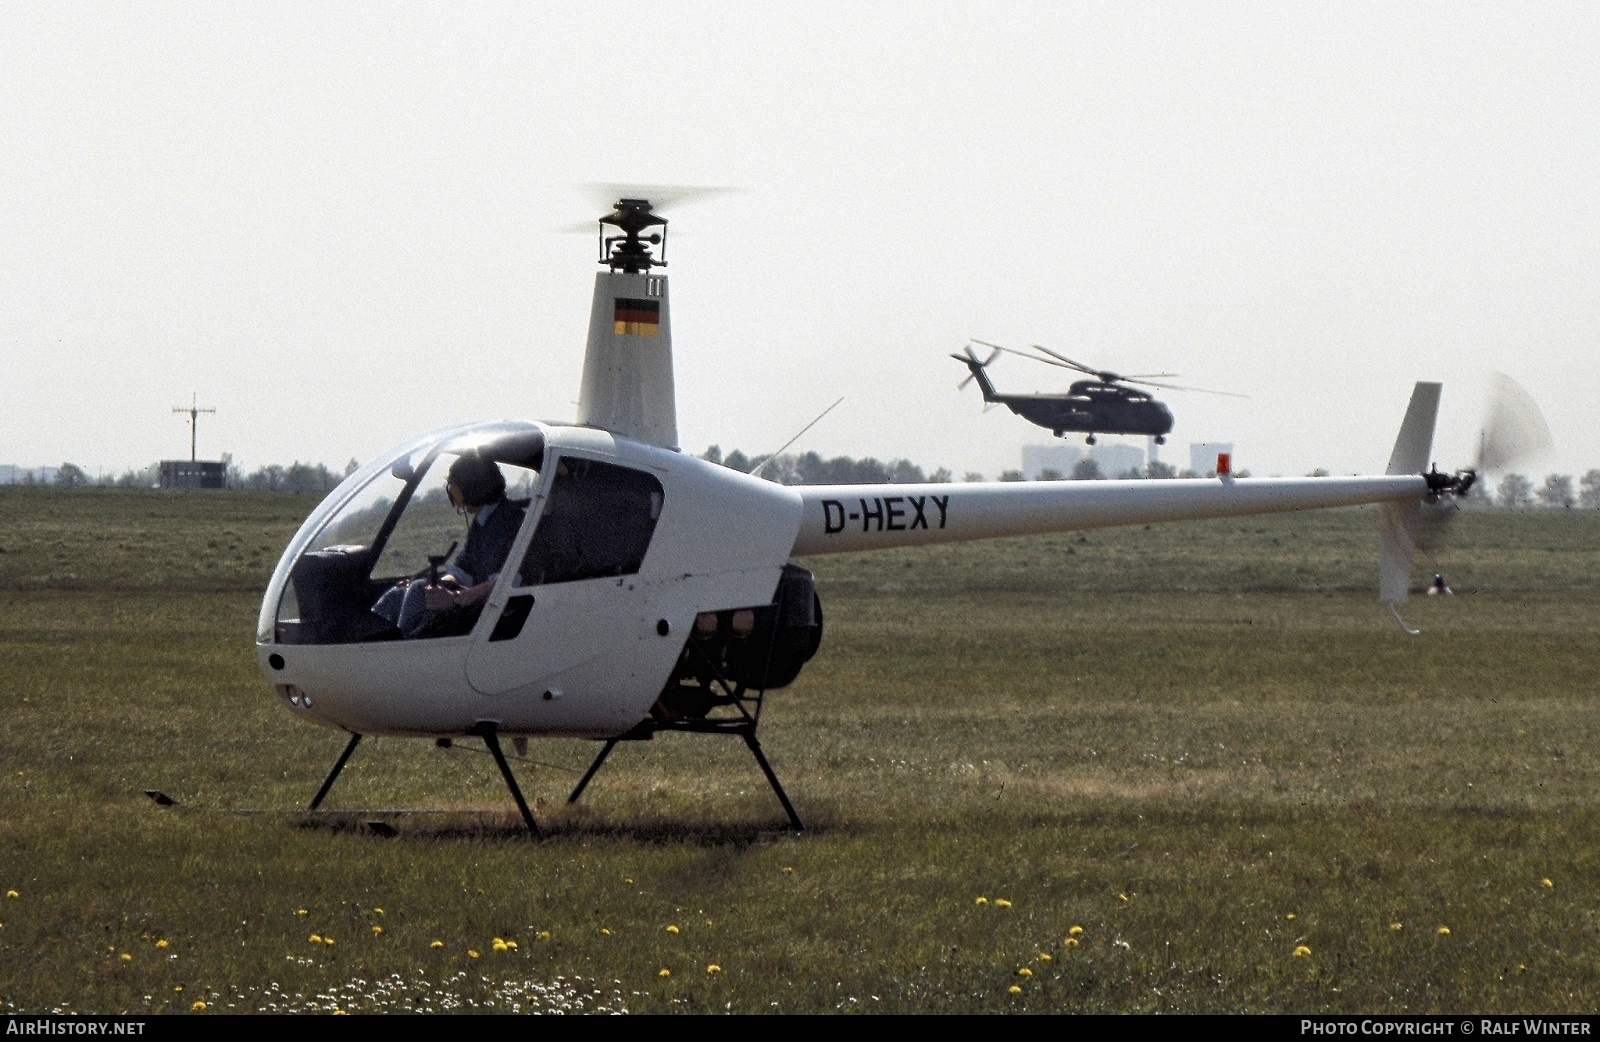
(627, 385)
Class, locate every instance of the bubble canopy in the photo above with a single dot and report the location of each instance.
(390, 519)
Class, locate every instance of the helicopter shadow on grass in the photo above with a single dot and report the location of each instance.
(455, 825)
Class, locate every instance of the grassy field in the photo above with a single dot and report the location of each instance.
(1207, 747)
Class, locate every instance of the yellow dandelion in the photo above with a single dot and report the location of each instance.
(604, 932)
(1444, 931)
(1024, 972)
(1396, 927)
(315, 938)
(788, 870)
(499, 945)
(1071, 942)
(1076, 931)
(511, 946)
(436, 945)
(544, 935)
(1522, 967)
(177, 987)
(713, 968)
(1123, 898)
(1290, 917)
(377, 911)
(12, 893)
(1301, 951)
(126, 957)
(1547, 884)
(376, 930)
(672, 928)
(1015, 989)
(472, 953)
(981, 900)
(628, 880)
(341, 1013)
(162, 943)
(1001, 902)
(301, 911)
(198, 1007)
(664, 972)
(1045, 957)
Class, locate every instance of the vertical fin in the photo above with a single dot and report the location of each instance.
(627, 385)
(1415, 443)
(1398, 523)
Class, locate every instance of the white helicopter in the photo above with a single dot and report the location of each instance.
(645, 590)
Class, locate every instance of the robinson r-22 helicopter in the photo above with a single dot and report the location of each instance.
(1103, 405)
(645, 590)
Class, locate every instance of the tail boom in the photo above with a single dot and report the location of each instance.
(843, 518)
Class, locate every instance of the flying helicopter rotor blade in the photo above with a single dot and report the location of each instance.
(1062, 359)
(1180, 387)
(1049, 361)
(1514, 430)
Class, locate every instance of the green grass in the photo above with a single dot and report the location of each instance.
(1175, 738)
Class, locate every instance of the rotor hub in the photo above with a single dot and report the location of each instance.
(630, 251)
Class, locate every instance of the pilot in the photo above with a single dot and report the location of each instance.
(477, 489)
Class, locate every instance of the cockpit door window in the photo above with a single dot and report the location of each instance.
(597, 522)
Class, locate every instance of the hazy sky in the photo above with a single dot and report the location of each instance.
(340, 224)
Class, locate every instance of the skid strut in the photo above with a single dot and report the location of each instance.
(486, 731)
(490, 737)
(333, 775)
(744, 728)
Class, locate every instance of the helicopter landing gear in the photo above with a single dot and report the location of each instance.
(729, 661)
(485, 730)
(1089, 440)
(1161, 439)
(338, 765)
(647, 729)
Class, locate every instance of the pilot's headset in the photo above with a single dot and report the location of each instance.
(478, 480)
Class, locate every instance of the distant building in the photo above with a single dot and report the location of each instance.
(1203, 456)
(1059, 457)
(189, 473)
(1116, 460)
(1113, 460)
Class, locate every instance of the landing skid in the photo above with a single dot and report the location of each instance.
(491, 738)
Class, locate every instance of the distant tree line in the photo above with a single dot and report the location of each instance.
(274, 477)
(810, 468)
(1516, 491)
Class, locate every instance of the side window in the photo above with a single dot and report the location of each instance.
(597, 522)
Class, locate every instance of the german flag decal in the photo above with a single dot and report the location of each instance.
(637, 317)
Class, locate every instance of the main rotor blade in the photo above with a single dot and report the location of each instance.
(662, 197)
(1047, 361)
(1179, 387)
(1070, 364)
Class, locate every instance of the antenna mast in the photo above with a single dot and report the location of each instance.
(194, 412)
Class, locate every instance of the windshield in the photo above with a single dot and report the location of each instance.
(445, 509)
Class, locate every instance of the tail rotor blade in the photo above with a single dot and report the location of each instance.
(1515, 430)
(973, 355)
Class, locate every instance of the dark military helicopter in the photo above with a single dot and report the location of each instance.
(1104, 405)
